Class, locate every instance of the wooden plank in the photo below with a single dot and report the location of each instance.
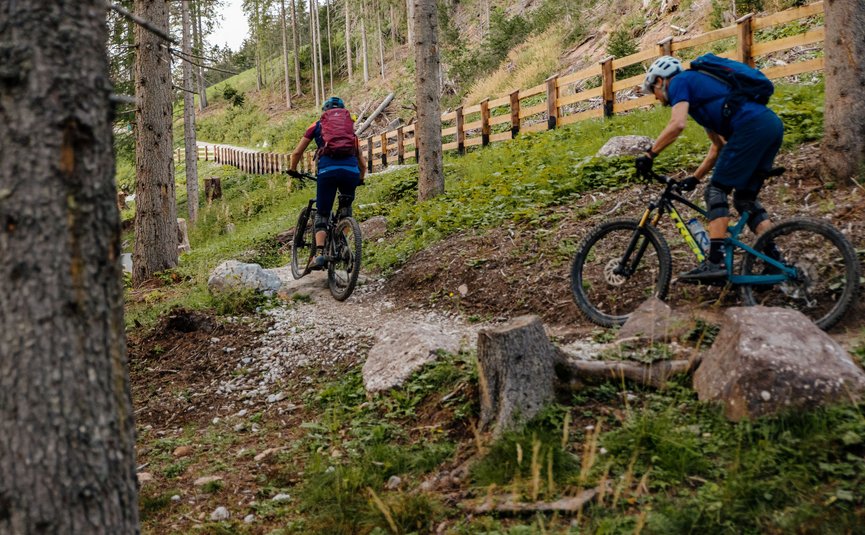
(582, 116)
(500, 119)
(807, 38)
(532, 91)
(449, 131)
(450, 146)
(582, 95)
(578, 76)
(799, 67)
(408, 129)
(708, 37)
(392, 134)
(788, 15)
(537, 127)
(628, 83)
(474, 125)
(449, 116)
(501, 101)
(500, 137)
(634, 58)
(647, 100)
(533, 110)
(471, 142)
(472, 109)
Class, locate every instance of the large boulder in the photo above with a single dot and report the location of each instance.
(626, 146)
(766, 360)
(402, 349)
(374, 228)
(232, 275)
(655, 321)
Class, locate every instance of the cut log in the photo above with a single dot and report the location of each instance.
(655, 374)
(516, 365)
(212, 188)
(375, 114)
(183, 245)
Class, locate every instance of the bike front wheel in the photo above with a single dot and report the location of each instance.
(617, 267)
(344, 267)
(303, 243)
(826, 263)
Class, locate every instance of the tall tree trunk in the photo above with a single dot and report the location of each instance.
(410, 18)
(296, 49)
(843, 150)
(67, 435)
(312, 40)
(348, 43)
(427, 82)
(329, 49)
(259, 75)
(320, 53)
(189, 121)
(393, 32)
(285, 54)
(380, 41)
(487, 17)
(363, 41)
(156, 209)
(198, 39)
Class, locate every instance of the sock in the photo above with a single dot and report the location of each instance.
(716, 250)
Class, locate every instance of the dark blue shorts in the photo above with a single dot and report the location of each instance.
(751, 148)
(327, 187)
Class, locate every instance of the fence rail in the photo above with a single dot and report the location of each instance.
(561, 100)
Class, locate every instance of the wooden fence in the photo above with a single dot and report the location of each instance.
(561, 100)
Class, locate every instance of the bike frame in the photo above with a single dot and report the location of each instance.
(665, 204)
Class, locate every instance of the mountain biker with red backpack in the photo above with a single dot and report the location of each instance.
(341, 165)
(728, 99)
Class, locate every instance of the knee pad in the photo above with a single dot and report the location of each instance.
(716, 200)
(320, 222)
(746, 201)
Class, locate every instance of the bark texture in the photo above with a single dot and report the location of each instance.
(198, 39)
(427, 83)
(348, 43)
(363, 47)
(295, 49)
(189, 120)
(156, 208)
(67, 460)
(843, 151)
(314, 44)
(516, 372)
(285, 54)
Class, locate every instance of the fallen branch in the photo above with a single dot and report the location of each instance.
(507, 504)
(374, 114)
(655, 374)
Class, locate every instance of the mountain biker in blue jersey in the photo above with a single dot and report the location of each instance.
(743, 148)
(341, 166)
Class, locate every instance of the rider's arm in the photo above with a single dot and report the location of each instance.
(678, 121)
(298, 152)
(712, 156)
(361, 163)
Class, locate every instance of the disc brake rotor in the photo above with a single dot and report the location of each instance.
(613, 278)
(799, 289)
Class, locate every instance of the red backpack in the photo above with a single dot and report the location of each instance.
(337, 131)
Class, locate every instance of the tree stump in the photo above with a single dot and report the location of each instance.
(121, 200)
(516, 372)
(183, 245)
(212, 188)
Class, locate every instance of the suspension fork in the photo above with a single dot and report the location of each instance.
(628, 265)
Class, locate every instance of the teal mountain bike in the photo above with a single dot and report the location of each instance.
(343, 246)
(624, 261)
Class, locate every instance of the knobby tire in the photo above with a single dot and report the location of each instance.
(343, 270)
(302, 244)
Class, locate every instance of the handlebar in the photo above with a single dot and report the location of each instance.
(302, 176)
(663, 179)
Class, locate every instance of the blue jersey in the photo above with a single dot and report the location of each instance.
(705, 97)
(329, 166)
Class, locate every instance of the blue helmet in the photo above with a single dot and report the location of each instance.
(333, 102)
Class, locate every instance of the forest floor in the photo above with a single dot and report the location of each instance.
(265, 415)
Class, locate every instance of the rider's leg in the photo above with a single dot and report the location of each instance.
(324, 197)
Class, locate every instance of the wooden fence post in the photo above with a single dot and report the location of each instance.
(400, 146)
(607, 79)
(485, 122)
(369, 154)
(515, 113)
(665, 46)
(383, 150)
(552, 102)
(746, 39)
(461, 131)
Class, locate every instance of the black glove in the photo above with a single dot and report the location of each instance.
(644, 164)
(293, 173)
(689, 183)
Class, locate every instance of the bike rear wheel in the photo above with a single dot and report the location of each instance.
(827, 263)
(344, 268)
(606, 297)
(303, 243)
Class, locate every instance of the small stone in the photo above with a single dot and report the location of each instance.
(229, 349)
(265, 454)
(144, 477)
(175, 498)
(216, 420)
(201, 481)
(249, 519)
(281, 497)
(273, 398)
(393, 483)
(182, 451)
(463, 290)
(239, 427)
(214, 340)
(220, 513)
(765, 395)
(241, 413)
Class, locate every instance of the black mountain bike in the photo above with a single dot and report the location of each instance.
(624, 261)
(342, 247)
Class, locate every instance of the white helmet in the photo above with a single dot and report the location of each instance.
(663, 67)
